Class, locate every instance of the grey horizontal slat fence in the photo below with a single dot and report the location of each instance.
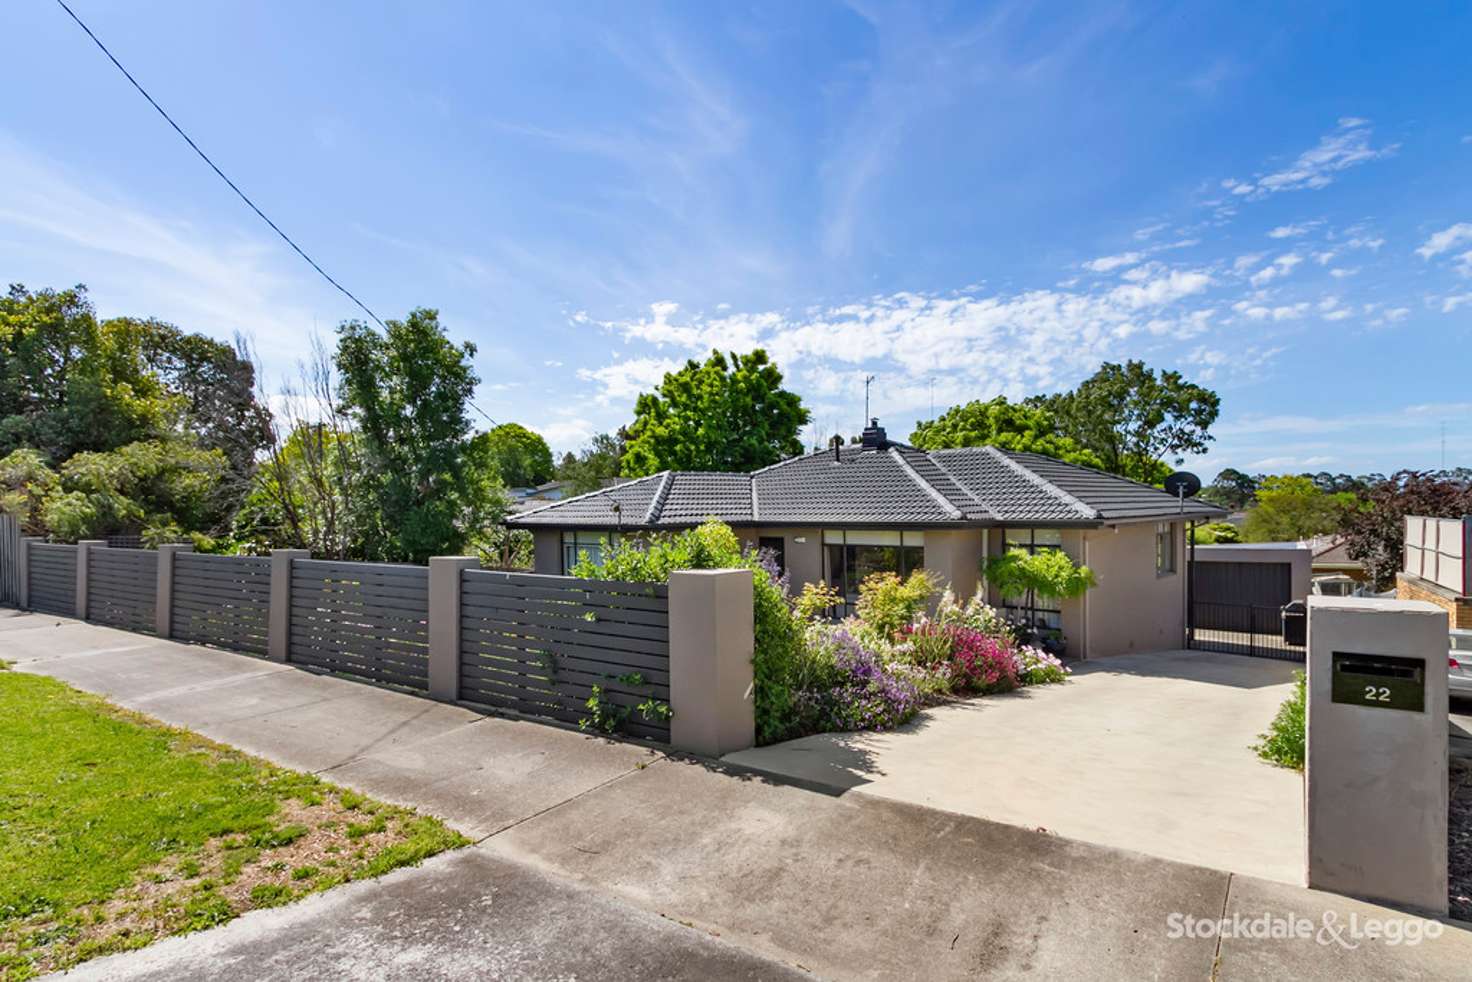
(223, 601)
(363, 619)
(537, 645)
(53, 572)
(122, 588)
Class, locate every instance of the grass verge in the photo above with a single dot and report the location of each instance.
(116, 830)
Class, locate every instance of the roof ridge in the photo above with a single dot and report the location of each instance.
(1044, 483)
(751, 487)
(1093, 470)
(661, 494)
(924, 485)
(586, 494)
(985, 505)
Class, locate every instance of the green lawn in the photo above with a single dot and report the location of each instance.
(116, 830)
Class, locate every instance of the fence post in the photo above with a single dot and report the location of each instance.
(84, 547)
(711, 647)
(444, 624)
(24, 562)
(278, 620)
(163, 600)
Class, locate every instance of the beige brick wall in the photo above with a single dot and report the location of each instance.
(1409, 586)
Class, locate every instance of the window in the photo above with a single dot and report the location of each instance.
(849, 557)
(1026, 608)
(591, 543)
(1165, 548)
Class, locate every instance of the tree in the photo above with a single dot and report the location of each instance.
(406, 392)
(587, 469)
(69, 384)
(1010, 426)
(1375, 533)
(1292, 507)
(1216, 533)
(1232, 489)
(723, 415)
(1132, 417)
(521, 457)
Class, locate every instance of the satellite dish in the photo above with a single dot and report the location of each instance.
(1182, 484)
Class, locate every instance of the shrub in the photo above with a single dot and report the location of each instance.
(1283, 743)
(888, 604)
(816, 600)
(976, 614)
(927, 643)
(778, 633)
(851, 688)
(982, 664)
(1037, 667)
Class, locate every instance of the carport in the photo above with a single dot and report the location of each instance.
(1150, 753)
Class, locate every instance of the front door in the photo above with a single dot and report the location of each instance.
(776, 545)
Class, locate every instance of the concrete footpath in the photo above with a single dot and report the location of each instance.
(600, 859)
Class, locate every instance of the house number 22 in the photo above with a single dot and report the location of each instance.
(1377, 693)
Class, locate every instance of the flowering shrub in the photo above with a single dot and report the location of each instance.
(849, 687)
(976, 614)
(888, 604)
(927, 644)
(982, 664)
(1037, 667)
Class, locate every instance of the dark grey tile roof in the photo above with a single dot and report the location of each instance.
(896, 485)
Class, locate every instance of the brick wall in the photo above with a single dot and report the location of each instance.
(1408, 586)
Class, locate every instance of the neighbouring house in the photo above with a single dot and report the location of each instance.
(1436, 566)
(522, 499)
(838, 515)
(1331, 558)
(1257, 574)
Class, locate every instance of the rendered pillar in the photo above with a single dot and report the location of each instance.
(84, 549)
(163, 606)
(278, 631)
(444, 624)
(711, 648)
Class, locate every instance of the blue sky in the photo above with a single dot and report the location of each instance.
(960, 200)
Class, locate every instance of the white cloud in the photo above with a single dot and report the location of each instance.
(1452, 302)
(1279, 267)
(552, 363)
(1293, 231)
(1242, 264)
(1446, 240)
(1346, 147)
(1149, 231)
(1107, 264)
(1340, 273)
(1261, 312)
(626, 379)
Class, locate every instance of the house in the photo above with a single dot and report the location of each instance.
(837, 515)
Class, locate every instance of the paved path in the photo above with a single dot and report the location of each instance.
(599, 859)
(1148, 752)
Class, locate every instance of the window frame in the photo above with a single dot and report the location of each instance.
(1029, 610)
(601, 539)
(909, 546)
(1165, 556)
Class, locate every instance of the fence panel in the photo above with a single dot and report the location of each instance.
(53, 579)
(538, 644)
(122, 588)
(222, 601)
(368, 620)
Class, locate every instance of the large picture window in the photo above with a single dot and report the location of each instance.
(592, 543)
(849, 557)
(1026, 608)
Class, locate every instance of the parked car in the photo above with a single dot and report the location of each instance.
(1459, 675)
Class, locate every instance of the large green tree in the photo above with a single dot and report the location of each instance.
(726, 414)
(587, 469)
(1290, 507)
(521, 457)
(999, 423)
(406, 392)
(1132, 417)
(1231, 489)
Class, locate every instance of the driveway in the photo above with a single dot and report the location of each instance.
(1148, 752)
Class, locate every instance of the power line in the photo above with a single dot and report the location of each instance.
(241, 194)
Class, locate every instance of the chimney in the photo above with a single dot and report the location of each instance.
(874, 437)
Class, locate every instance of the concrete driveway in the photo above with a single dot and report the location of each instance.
(1149, 753)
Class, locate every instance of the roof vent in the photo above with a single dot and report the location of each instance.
(874, 437)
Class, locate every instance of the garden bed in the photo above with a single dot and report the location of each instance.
(116, 830)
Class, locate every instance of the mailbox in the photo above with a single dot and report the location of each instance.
(1379, 681)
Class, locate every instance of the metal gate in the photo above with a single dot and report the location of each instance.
(1244, 629)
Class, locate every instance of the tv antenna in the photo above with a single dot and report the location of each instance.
(867, 382)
